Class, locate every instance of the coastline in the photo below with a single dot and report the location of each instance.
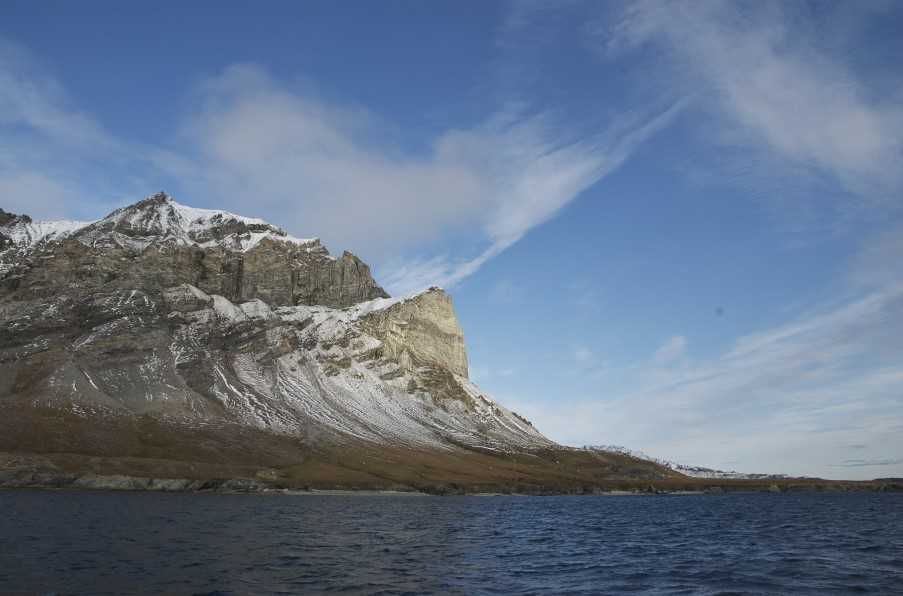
(18, 480)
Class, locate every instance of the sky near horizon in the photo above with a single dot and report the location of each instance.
(671, 226)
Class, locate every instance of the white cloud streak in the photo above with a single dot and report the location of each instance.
(319, 169)
(764, 70)
(671, 350)
(35, 100)
(255, 145)
(51, 152)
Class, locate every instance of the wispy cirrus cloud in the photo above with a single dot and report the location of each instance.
(327, 171)
(260, 146)
(782, 82)
(775, 82)
(33, 99)
(57, 160)
(867, 463)
(671, 350)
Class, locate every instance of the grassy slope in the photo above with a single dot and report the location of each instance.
(54, 442)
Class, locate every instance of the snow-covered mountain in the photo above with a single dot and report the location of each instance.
(204, 316)
(168, 342)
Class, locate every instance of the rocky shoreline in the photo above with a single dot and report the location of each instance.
(25, 480)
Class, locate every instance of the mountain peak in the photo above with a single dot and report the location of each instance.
(168, 243)
(158, 219)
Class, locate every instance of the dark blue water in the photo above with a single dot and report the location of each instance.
(807, 543)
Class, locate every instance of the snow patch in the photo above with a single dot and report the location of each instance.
(29, 234)
(257, 309)
(228, 311)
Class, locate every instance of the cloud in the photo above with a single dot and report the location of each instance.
(31, 98)
(483, 374)
(329, 170)
(588, 363)
(780, 83)
(671, 350)
(278, 150)
(860, 463)
(583, 355)
(30, 192)
(266, 148)
(505, 291)
(878, 263)
(56, 160)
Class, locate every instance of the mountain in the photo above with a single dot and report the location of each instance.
(166, 341)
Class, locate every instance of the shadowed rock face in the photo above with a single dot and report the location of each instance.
(207, 318)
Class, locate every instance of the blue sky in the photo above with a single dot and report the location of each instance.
(673, 226)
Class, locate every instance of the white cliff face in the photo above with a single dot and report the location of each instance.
(421, 332)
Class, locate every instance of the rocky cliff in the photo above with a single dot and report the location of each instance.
(157, 243)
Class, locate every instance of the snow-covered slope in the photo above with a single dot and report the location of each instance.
(28, 233)
(343, 378)
(323, 374)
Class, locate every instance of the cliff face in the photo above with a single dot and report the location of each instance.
(421, 332)
(201, 319)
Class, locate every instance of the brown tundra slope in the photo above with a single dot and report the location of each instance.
(170, 347)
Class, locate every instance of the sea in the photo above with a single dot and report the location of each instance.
(179, 543)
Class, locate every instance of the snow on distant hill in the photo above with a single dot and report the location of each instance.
(692, 471)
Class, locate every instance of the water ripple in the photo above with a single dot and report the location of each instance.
(109, 543)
